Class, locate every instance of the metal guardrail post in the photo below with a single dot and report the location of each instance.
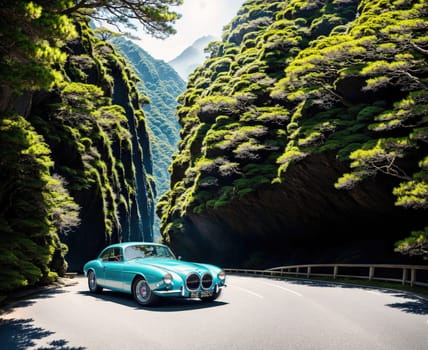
(308, 272)
(403, 282)
(371, 272)
(335, 271)
(412, 277)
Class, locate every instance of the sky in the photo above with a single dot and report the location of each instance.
(199, 18)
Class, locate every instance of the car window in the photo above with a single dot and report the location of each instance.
(145, 251)
(136, 252)
(118, 254)
(164, 252)
(112, 254)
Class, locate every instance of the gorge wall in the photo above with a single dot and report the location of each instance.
(304, 137)
(76, 166)
(162, 85)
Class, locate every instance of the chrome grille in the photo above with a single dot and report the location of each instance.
(207, 281)
(193, 281)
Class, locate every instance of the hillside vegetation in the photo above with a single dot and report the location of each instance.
(304, 136)
(162, 85)
(75, 165)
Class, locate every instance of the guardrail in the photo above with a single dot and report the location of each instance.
(406, 274)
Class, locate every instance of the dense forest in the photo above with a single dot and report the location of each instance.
(304, 137)
(76, 167)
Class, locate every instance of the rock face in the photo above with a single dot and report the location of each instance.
(294, 222)
(301, 141)
(127, 212)
(162, 85)
(95, 131)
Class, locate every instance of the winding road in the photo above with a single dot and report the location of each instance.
(252, 313)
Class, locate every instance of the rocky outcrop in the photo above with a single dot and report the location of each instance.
(162, 85)
(304, 219)
(302, 140)
(95, 130)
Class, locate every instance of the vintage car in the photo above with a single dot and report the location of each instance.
(149, 271)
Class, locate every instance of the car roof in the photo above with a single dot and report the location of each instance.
(127, 244)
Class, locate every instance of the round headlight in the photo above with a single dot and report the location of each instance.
(221, 275)
(167, 279)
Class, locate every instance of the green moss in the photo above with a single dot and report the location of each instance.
(308, 77)
(30, 221)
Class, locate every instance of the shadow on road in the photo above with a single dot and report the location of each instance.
(415, 305)
(21, 334)
(29, 297)
(164, 305)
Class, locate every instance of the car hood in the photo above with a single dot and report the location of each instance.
(170, 265)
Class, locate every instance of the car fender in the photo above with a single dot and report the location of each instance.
(153, 276)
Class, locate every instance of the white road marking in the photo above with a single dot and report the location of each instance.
(373, 292)
(283, 288)
(247, 291)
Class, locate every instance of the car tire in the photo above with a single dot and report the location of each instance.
(92, 283)
(142, 292)
(212, 297)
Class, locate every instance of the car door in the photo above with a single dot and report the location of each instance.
(112, 268)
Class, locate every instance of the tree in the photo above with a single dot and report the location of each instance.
(106, 34)
(32, 33)
(28, 241)
(416, 244)
(155, 15)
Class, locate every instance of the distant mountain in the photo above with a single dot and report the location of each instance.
(161, 83)
(192, 57)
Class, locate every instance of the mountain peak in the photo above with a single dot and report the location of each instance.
(191, 57)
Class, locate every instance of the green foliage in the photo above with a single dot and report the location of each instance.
(65, 211)
(162, 85)
(308, 77)
(155, 16)
(72, 143)
(32, 37)
(416, 244)
(32, 203)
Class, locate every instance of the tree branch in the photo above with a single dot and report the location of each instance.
(419, 49)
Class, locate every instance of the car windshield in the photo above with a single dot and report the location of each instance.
(146, 251)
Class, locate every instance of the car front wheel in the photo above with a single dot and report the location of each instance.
(92, 283)
(142, 293)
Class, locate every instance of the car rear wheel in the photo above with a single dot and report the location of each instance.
(212, 297)
(92, 283)
(142, 293)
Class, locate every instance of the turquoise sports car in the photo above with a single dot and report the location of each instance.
(150, 271)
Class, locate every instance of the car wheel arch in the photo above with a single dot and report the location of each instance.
(135, 279)
(94, 287)
(143, 299)
(91, 269)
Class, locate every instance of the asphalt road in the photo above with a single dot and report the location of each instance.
(252, 313)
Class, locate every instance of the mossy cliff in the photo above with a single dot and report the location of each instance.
(162, 85)
(104, 149)
(75, 155)
(304, 137)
